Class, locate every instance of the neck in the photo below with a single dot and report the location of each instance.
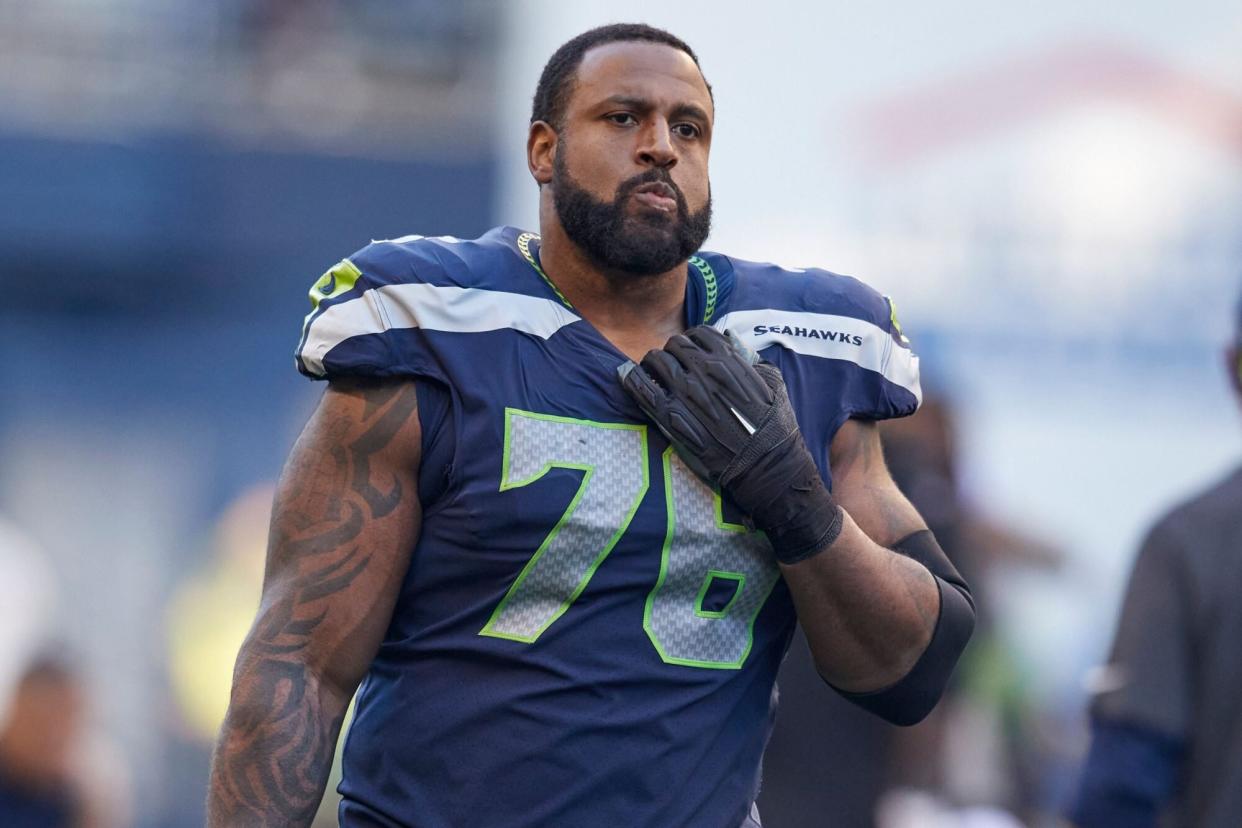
(635, 313)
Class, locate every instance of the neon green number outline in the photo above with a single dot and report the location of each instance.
(739, 583)
(721, 523)
(670, 508)
(589, 471)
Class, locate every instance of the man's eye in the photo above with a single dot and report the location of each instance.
(687, 130)
(622, 118)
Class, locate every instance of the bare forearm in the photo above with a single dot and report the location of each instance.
(345, 517)
(276, 746)
(868, 613)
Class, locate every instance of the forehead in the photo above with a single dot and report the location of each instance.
(653, 71)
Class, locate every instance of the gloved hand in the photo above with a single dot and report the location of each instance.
(728, 415)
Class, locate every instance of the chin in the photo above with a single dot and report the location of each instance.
(663, 225)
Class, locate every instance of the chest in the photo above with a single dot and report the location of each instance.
(577, 507)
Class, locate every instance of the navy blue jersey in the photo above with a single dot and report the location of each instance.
(587, 635)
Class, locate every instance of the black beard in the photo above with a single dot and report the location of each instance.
(643, 245)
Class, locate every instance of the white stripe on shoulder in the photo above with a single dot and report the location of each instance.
(431, 307)
(413, 237)
(830, 336)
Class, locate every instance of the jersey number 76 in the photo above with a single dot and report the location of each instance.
(701, 552)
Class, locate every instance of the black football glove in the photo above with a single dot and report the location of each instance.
(728, 416)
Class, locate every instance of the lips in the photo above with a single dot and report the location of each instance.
(657, 195)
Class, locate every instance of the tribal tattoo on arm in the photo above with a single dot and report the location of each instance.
(345, 519)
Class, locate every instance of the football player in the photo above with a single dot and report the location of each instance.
(567, 494)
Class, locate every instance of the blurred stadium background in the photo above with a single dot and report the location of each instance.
(1051, 193)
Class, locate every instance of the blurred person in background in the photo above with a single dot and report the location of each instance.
(1166, 745)
(394, 553)
(976, 750)
(28, 599)
(42, 731)
(973, 756)
(54, 769)
(40, 701)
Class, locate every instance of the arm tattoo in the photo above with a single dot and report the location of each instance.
(276, 746)
(375, 438)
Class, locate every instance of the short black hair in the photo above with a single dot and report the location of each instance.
(556, 81)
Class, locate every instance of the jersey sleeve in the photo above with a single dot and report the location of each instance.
(900, 390)
(843, 334)
(836, 341)
(1130, 775)
(366, 313)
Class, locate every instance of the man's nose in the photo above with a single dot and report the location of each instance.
(656, 148)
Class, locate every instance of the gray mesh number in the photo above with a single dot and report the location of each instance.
(702, 548)
(613, 459)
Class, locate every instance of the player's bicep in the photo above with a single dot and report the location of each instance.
(345, 518)
(862, 485)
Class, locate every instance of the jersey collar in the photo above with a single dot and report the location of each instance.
(703, 294)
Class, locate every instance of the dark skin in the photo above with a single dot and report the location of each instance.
(345, 517)
(634, 107)
(347, 513)
(867, 612)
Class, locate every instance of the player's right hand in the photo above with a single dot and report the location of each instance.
(729, 417)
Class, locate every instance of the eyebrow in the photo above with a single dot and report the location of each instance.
(681, 110)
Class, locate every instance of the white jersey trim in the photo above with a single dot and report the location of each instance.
(830, 336)
(431, 307)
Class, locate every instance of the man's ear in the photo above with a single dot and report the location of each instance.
(541, 146)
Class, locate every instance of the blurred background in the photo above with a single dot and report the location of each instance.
(1051, 193)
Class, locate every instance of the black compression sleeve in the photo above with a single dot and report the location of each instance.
(909, 700)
